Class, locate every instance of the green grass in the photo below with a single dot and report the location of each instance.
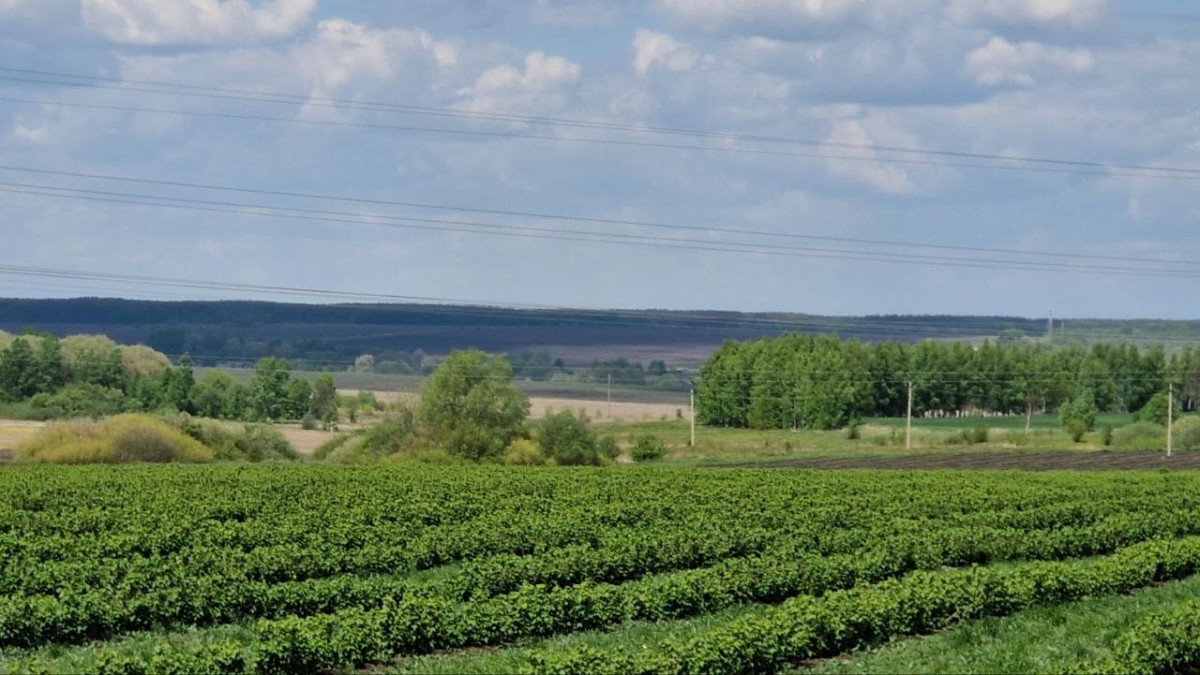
(83, 658)
(1043, 421)
(878, 438)
(1040, 640)
(631, 636)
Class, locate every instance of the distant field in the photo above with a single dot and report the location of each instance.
(383, 382)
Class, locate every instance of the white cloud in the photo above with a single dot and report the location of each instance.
(1070, 13)
(1004, 63)
(659, 49)
(540, 85)
(36, 135)
(162, 22)
(884, 178)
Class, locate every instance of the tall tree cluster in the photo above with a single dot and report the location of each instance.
(822, 382)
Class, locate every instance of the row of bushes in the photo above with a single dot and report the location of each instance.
(141, 438)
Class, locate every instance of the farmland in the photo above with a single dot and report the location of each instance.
(237, 568)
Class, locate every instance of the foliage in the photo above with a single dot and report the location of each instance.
(1140, 436)
(1078, 416)
(1187, 433)
(648, 447)
(568, 440)
(821, 382)
(525, 452)
(317, 563)
(1155, 410)
(78, 400)
(120, 439)
(470, 407)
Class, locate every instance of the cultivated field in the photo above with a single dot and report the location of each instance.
(302, 569)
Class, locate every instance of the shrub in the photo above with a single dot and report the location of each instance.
(234, 442)
(391, 434)
(1106, 435)
(1140, 436)
(124, 438)
(976, 434)
(1187, 433)
(1078, 416)
(647, 448)
(78, 400)
(607, 448)
(262, 442)
(1155, 410)
(853, 432)
(524, 452)
(568, 440)
(327, 448)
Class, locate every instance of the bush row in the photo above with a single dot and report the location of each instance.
(807, 627)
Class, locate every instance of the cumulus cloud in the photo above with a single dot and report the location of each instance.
(1004, 63)
(166, 22)
(652, 49)
(539, 85)
(852, 136)
(780, 18)
(1070, 13)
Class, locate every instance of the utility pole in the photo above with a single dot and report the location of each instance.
(692, 416)
(1050, 326)
(908, 420)
(609, 396)
(1170, 414)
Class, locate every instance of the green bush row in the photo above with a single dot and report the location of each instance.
(807, 627)
(1162, 643)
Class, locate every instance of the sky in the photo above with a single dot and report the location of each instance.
(856, 156)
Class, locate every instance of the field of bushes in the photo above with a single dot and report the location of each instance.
(299, 569)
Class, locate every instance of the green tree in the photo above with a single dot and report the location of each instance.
(1078, 416)
(179, 382)
(567, 439)
(50, 371)
(18, 374)
(210, 392)
(299, 399)
(1155, 410)
(269, 388)
(324, 400)
(470, 407)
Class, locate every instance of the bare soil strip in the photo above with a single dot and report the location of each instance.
(1049, 461)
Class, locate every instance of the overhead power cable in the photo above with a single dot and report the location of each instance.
(576, 235)
(596, 141)
(182, 89)
(595, 220)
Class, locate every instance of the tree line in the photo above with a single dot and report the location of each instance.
(91, 375)
(823, 382)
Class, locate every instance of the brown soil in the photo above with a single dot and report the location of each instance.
(1049, 461)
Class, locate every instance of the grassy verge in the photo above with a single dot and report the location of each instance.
(1039, 640)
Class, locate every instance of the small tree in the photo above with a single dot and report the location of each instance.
(567, 440)
(269, 388)
(1078, 416)
(470, 407)
(324, 397)
(647, 448)
(1155, 410)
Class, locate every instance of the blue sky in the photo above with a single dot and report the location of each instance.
(1082, 80)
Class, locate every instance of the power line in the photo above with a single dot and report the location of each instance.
(179, 89)
(594, 141)
(529, 232)
(595, 220)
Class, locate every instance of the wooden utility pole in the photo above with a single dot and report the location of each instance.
(908, 421)
(692, 416)
(608, 396)
(1170, 414)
